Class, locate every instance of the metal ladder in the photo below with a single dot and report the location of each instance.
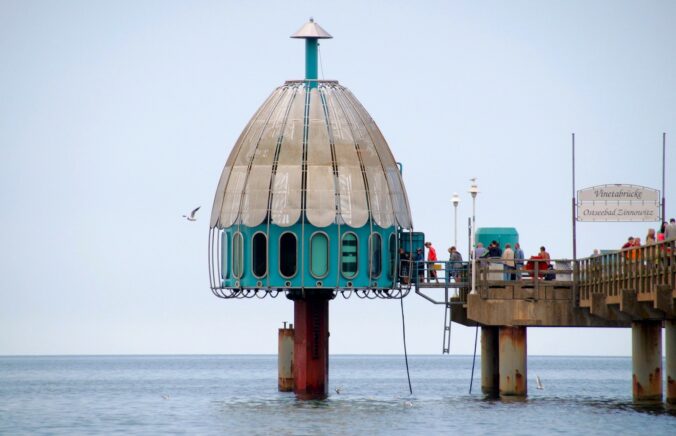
(446, 346)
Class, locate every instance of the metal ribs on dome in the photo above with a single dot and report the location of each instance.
(314, 152)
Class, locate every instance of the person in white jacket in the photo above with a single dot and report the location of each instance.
(508, 262)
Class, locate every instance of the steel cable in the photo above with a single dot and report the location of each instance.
(476, 335)
(403, 328)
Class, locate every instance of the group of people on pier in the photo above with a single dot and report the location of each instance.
(667, 232)
(512, 259)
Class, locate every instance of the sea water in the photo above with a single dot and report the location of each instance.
(238, 395)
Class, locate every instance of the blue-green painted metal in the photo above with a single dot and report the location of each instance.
(303, 278)
(311, 61)
(411, 242)
(504, 235)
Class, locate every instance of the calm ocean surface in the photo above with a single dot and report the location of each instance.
(238, 394)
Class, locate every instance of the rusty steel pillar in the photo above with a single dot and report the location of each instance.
(512, 364)
(490, 370)
(670, 332)
(311, 345)
(285, 359)
(646, 360)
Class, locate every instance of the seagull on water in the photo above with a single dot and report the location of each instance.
(192, 217)
(338, 389)
(538, 382)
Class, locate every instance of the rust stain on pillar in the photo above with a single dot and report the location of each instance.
(311, 347)
(655, 379)
(520, 382)
(637, 389)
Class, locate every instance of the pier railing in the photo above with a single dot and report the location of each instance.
(533, 273)
(452, 277)
(641, 269)
(440, 274)
(491, 272)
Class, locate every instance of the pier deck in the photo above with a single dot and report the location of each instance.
(609, 290)
(630, 288)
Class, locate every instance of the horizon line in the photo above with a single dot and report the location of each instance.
(274, 354)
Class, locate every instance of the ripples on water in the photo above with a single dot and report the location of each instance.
(237, 394)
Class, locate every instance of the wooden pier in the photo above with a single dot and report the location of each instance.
(633, 288)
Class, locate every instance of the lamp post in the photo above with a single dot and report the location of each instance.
(455, 200)
(473, 190)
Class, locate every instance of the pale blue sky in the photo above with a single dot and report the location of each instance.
(117, 117)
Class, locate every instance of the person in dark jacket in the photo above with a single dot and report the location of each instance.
(419, 265)
(404, 266)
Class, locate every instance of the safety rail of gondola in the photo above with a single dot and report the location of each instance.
(451, 276)
(491, 272)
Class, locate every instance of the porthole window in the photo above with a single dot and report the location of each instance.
(375, 255)
(392, 264)
(237, 255)
(319, 255)
(288, 255)
(349, 255)
(224, 255)
(259, 255)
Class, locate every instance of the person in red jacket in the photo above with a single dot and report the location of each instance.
(431, 267)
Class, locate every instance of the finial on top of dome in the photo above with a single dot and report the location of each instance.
(312, 30)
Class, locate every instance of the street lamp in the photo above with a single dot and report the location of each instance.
(473, 190)
(455, 200)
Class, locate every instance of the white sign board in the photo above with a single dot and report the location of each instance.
(631, 193)
(618, 203)
(617, 212)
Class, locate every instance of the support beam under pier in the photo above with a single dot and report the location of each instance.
(646, 360)
(513, 356)
(490, 370)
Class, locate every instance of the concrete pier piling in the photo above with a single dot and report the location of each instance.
(311, 346)
(513, 357)
(285, 359)
(646, 360)
(490, 371)
(670, 333)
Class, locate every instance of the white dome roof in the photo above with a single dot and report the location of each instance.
(315, 151)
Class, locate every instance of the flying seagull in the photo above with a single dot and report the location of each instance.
(191, 217)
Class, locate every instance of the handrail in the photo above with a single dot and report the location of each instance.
(443, 272)
(641, 269)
